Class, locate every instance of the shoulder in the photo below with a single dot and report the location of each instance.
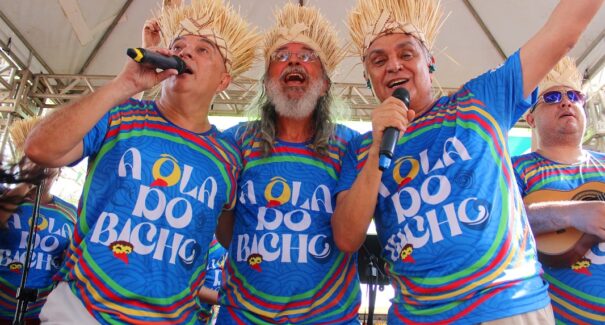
(67, 208)
(525, 160)
(240, 131)
(596, 154)
(344, 133)
(133, 103)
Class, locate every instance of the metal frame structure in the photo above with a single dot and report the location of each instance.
(24, 94)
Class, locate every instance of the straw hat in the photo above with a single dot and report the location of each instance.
(565, 73)
(297, 24)
(18, 131)
(219, 23)
(371, 19)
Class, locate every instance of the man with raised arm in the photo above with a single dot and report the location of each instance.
(448, 214)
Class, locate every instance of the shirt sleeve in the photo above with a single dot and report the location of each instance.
(502, 90)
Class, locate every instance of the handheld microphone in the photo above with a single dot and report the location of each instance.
(157, 60)
(391, 134)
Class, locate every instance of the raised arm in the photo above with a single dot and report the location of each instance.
(150, 36)
(57, 140)
(560, 33)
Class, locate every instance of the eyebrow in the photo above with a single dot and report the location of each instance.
(303, 47)
(200, 39)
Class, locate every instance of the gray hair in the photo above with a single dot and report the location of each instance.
(264, 120)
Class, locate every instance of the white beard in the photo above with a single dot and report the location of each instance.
(297, 109)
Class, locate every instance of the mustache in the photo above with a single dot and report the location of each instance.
(294, 69)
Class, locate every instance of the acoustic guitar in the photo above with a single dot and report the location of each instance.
(562, 248)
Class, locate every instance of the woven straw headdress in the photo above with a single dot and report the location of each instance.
(296, 24)
(19, 131)
(219, 23)
(565, 73)
(374, 18)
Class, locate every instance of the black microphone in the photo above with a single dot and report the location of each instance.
(391, 134)
(157, 60)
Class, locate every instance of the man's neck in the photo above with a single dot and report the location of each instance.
(187, 112)
(567, 154)
(426, 106)
(294, 130)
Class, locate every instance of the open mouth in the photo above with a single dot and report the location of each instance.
(188, 70)
(397, 82)
(294, 77)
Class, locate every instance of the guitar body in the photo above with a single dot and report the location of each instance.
(562, 248)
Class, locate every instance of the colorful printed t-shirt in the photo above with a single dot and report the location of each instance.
(449, 217)
(577, 291)
(147, 215)
(55, 227)
(283, 265)
(216, 260)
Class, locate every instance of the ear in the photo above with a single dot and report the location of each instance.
(225, 81)
(530, 120)
(326, 86)
(368, 82)
(432, 67)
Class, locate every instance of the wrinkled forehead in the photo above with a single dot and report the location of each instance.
(194, 38)
(392, 41)
(294, 46)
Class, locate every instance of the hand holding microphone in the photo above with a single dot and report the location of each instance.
(391, 134)
(157, 60)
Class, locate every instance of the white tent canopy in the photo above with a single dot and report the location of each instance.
(91, 37)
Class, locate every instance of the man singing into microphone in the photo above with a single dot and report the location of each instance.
(283, 266)
(448, 213)
(159, 175)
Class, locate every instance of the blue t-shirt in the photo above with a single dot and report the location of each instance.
(55, 229)
(577, 291)
(148, 211)
(216, 260)
(449, 217)
(283, 265)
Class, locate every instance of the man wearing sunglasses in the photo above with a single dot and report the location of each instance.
(562, 185)
(283, 266)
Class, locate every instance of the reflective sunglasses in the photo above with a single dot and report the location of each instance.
(556, 96)
(304, 56)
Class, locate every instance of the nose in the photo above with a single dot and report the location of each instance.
(293, 59)
(185, 51)
(565, 101)
(394, 66)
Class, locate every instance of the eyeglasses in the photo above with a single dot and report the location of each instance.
(304, 56)
(556, 96)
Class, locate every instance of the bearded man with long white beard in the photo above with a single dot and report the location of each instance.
(283, 265)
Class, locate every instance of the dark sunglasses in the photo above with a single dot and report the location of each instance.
(556, 96)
